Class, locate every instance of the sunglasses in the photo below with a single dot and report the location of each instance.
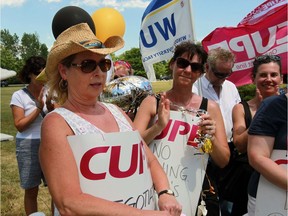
(268, 58)
(184, 63)
(87, 66)
(221, 75)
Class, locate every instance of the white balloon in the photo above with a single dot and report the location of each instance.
(5, 74)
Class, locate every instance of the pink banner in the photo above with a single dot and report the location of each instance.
(263, 31)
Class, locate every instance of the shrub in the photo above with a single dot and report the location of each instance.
(247, 92)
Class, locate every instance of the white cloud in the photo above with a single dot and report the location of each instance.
(52, 1)
(12, 3)
(117, 4)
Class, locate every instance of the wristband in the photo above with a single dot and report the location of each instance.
(38, 106)
(169, 192)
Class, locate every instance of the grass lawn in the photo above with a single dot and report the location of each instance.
(12, 195)
(160, 86)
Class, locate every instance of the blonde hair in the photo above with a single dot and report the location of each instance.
(55, 80)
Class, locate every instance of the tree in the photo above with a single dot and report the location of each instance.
(161, 70)
(14, 54)
(9, 42)
(9, 50)
(133, 56)
(31, 46)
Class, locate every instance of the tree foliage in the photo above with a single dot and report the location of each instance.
(14, 52)
(31, 46)
(9, 45)
(133, 56)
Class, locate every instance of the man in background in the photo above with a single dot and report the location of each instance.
(213, 85)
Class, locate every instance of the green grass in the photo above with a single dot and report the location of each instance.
(12, 195)
(160, 86)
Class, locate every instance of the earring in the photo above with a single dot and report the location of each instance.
(63, 85)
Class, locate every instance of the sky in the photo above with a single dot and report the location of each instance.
(35, 16)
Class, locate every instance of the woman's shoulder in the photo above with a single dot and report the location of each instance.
(239, 107)
(213, 107)
(53, 116)
(54, 120)
(152, 98)
(18, 93)
(212, 103)
(19, 97)
(151, 101)
(56, 115)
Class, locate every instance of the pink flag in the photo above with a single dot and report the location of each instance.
(262, 31)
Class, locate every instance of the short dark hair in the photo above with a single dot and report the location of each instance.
(191, 49)
(265, 59)
(33, 65)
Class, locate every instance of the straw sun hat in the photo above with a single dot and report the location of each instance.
(76, 39)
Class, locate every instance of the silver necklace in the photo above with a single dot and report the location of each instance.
(194, 112)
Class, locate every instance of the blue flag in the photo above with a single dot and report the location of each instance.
(165, 23)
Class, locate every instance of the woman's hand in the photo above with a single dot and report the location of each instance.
(163, 111)
(40, 101)
(50, 103)
(169, 203)
(208, 125)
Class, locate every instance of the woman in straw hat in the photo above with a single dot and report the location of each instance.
(91, 177)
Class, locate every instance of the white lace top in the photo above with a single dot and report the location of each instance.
(81, 126)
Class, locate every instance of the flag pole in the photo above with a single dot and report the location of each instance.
(192, 21)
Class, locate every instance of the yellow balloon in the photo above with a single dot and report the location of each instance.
(108, 22)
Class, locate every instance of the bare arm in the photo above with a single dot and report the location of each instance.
(259, 152)
(160, 180)
(240, 132)
(221, 152)
(146, 112)
(21, 121)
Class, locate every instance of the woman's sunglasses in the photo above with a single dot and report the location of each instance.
(184, 63)
(87, 66)
(268, 58)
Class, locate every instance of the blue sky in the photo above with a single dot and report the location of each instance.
(35, 16)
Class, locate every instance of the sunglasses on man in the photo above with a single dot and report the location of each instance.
(88, 66)
(221, 75)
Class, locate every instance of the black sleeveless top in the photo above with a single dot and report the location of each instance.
(203, 105)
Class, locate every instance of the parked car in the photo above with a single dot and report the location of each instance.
(4, 83)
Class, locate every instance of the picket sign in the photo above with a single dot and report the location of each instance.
(114, 167)
(271, 200)
(184, 165)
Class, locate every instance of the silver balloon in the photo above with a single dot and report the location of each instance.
(127, 92)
